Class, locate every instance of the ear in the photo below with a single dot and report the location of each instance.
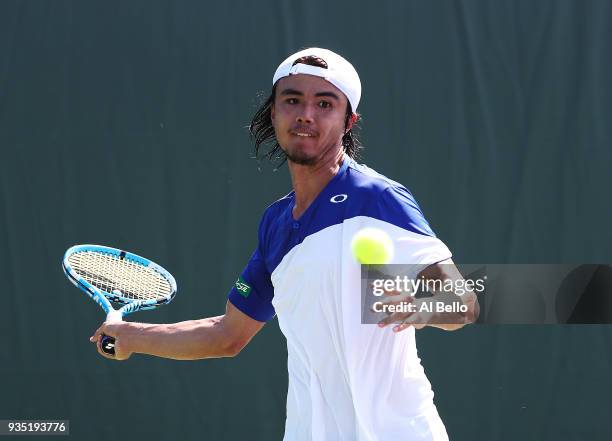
(352, 120)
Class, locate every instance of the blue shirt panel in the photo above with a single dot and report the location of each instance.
(357, 191)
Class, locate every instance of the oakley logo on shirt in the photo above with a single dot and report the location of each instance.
(338, 198)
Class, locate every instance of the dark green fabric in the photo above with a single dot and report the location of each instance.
(123, 123)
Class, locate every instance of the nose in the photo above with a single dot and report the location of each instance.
(305, 116)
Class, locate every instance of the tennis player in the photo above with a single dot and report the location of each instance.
(347, 380)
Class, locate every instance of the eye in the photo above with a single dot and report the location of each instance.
(291, 100)
(324, 104)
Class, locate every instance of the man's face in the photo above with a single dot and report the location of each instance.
(308, 116)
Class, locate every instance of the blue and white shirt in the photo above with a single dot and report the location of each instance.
(347, 380)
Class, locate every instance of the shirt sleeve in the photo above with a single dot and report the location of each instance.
(253, 291)
(398, 207)
(415, 241)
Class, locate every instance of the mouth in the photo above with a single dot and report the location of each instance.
(303, 133)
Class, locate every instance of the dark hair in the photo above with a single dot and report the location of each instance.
(262, 131)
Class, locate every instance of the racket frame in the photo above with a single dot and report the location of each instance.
(103, 298)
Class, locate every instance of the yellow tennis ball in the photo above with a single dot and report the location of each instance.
(372, 246)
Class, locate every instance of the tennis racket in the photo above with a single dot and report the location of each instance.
(111, 275)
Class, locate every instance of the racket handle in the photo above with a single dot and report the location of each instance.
(108, 344)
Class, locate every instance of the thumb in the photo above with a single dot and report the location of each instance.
(94, 338)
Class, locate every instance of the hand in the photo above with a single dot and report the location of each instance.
(117, 330)
(403, 320)
(423, 311)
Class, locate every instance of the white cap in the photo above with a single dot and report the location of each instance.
(339, 72)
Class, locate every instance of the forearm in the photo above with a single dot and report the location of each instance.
(457, 320)
(451, 321)
(189, 340)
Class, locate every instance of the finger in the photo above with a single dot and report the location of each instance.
(104, 329)
(401, 327)
(398, 300)
(417, 321)
(96, 335)
(394, 318)
(392, 292)
(101, 352)
(120, 354)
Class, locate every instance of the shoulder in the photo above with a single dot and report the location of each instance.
(386, 199)
(275, 211)
(369, 183)
(279, 206)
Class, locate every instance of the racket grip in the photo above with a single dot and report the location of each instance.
(108, 344)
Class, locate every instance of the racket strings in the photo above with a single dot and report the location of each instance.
(120, 277)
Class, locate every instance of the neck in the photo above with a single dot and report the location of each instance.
(309, 180)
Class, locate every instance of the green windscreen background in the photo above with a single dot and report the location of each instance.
(123, 123)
